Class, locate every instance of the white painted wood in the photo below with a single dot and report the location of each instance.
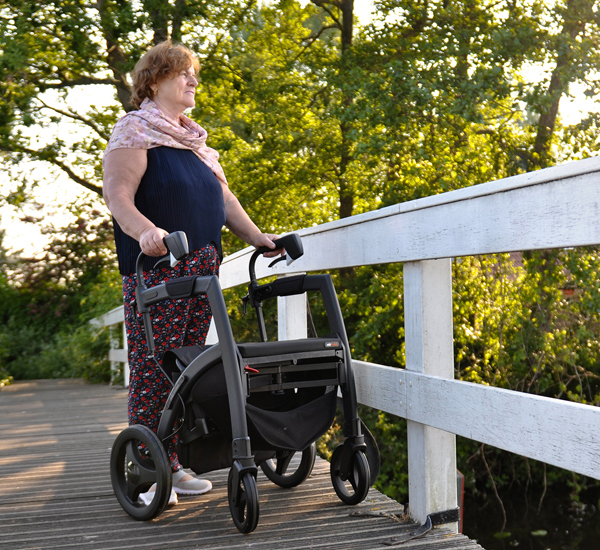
(527, 212)
(113, 317)
(428, 317)
(429, 350)
(557, 432)
(291, 317)
(212, 337)
(381, 387)
(117, 355)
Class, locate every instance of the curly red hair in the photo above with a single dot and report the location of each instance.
(162, 61)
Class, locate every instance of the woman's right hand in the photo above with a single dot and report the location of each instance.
(151, 241)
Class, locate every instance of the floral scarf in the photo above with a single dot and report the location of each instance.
(147, 128)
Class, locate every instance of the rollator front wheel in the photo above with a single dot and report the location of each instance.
(138, 460)
(351, 485)
(243, 502)
(280, 470)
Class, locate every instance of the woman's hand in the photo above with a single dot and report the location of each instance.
(266, 239)
(151, 241)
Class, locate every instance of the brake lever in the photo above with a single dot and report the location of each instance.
(245, 301)
(277, 260)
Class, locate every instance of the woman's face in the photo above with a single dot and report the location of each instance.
(176, 93)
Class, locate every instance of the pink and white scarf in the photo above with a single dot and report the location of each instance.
(148, 127)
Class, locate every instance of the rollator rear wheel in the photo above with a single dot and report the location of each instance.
(138, 460)
(244, 510)
(281, 471)
(351, 488)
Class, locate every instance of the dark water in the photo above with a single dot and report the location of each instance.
(562, 523)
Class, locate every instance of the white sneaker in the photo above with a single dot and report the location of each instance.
(191, 486)
(147, 498)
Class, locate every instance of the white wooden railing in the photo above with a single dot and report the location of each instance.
(552, 208)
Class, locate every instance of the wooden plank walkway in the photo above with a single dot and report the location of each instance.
(55, 490)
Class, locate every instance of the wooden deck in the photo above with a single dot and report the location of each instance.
(55, 490)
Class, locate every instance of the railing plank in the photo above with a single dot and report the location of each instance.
(117, 355)
(552, 208)
(557, 432)
(113, 317)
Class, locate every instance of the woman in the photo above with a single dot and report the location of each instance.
(159, 177)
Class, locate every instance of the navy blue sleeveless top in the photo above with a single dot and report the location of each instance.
(178, 192)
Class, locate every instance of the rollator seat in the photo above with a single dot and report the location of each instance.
(285, 347)
(176, 360)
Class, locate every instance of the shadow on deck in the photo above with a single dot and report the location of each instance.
(55, 489)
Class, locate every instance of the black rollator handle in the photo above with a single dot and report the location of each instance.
(177, 245)
(294, 249)
(291, 243)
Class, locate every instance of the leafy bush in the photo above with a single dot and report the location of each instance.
(46, 305)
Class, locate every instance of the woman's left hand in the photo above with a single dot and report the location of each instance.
(266, 239)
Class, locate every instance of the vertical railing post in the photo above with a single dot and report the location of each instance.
(429, 350)
(291, 317)
(114, 344)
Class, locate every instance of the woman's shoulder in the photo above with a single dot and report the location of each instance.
(130, 132)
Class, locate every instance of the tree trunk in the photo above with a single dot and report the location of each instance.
(115, 57)
(345, 190)
(573, 26)
(345, 24)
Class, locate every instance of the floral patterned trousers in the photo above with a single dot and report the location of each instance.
(175, 324)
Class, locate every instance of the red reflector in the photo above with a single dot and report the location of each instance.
(250, 369)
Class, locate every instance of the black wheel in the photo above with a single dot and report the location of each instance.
(278, 469)
(243, 502)
(351, 488)
(137, 461)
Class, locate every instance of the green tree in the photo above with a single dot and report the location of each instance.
(51, 50)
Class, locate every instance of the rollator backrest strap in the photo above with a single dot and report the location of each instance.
(286, 286)
(182, 287)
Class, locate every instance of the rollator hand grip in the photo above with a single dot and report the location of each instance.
(177, 244)
(291, 243)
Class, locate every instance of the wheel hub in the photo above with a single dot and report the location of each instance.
(133, 473)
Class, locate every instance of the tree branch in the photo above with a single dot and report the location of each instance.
(76, 116)
(323, 5)
(312, 39)
(115, 57)
(573, 26)
(37, 155)
(239, 19)
(83, 81)
(489, 472)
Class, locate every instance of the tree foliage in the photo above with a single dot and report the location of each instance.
(47, 302)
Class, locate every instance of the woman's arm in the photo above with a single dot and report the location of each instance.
(240, 223)
(123, 171)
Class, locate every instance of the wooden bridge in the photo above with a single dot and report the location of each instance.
(55, 490)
